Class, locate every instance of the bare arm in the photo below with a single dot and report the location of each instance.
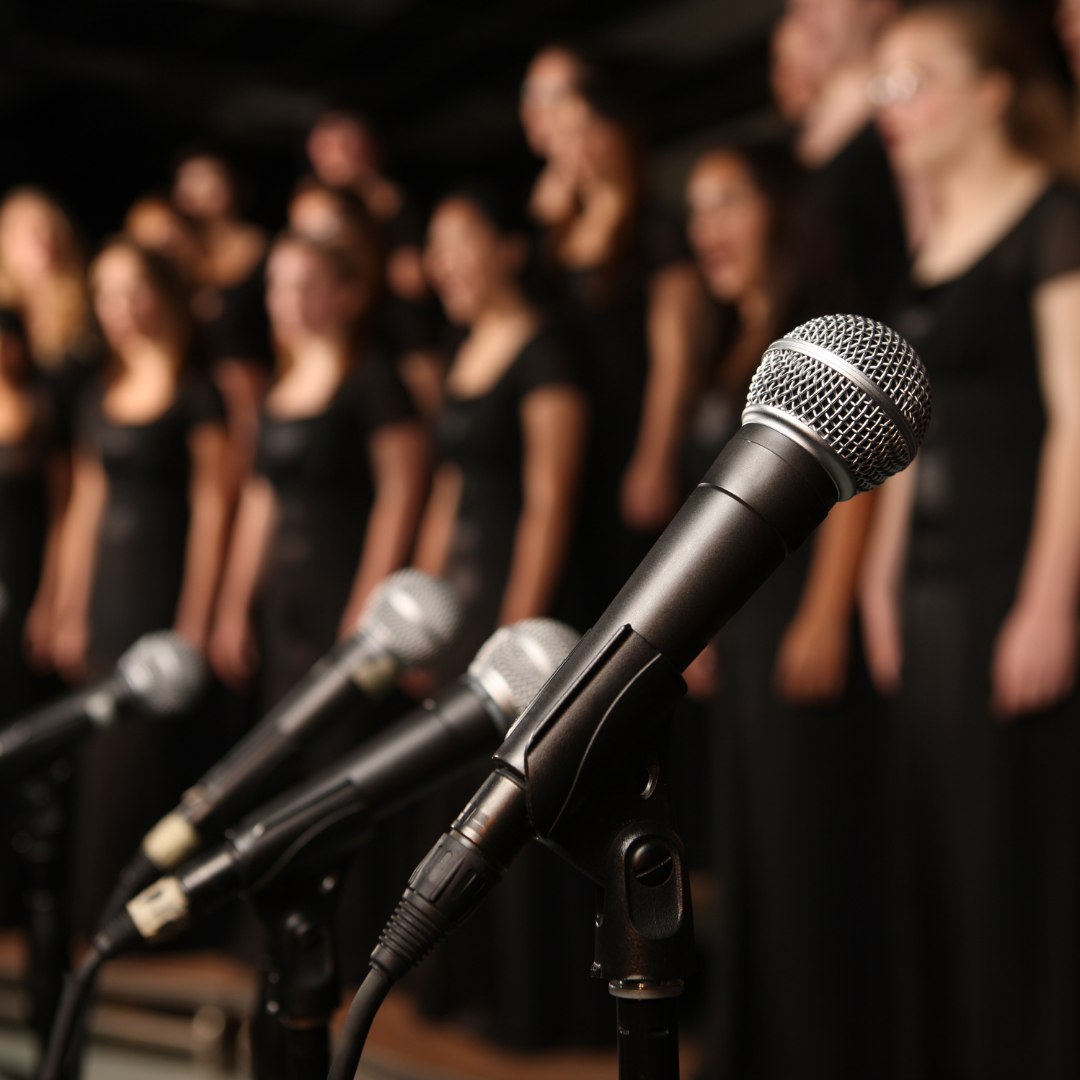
(1034, 662)
(78, 547)
(400, 458)
(650, 486)
(882, 576)
(232, 646)
(811, 665)
(553, 422)
(209, 499)
(437, 524)
(38, 629)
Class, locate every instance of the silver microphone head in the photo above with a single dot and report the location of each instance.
(851, 391)
(413, 615)
(517, 660)
(164, 672)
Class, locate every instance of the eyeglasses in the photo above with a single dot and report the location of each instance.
(895, 87)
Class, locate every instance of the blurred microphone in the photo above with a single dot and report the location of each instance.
(835, 408)
(407, 622)
(160, 675)
(324, 818)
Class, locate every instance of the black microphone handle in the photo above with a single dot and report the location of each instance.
(26, 740)
(328, 816)
(331, 687)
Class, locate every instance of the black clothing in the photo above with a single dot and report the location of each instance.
(138, 573)
(482, 436)
(320, 469)
(142, 537)
(67, 381)
(989, 814)
(603, 312)
(236, 326)
(867, 208)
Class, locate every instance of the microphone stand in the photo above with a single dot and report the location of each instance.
(300, 989)
(625, 838)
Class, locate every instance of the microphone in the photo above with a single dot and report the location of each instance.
(834, 408)
(407, 622)
(160, 675)
(324, 818)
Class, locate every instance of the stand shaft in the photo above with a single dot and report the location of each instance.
(648, 1038)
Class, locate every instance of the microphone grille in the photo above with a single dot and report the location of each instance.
(164, 672)
(413, 615)
(855, 385)
(517, 660)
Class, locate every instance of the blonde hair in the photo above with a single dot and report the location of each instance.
(58, 318)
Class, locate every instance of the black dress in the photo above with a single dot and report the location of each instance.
(320, 469)
(864, 199)
(989, 833)
(130, 775)
(518, 970)
(234, 324)
(602, 313)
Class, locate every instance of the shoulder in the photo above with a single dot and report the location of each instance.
(545, 361)
(1053, 232)
(375, 391)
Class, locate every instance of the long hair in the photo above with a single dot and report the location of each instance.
(172, 293)
(58, 319)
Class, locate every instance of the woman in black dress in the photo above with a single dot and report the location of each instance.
(142, 544)
(339, 479)
(510, 441)
(972, 590)
(624, 293)
(796, 751)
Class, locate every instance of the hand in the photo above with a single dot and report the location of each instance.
(882, 639)
(703, 677)
(37, 637)
(69, 646)
(812, 661)
(232, 652)
(1034, 663)
(649, 495)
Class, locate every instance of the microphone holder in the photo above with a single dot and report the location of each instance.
(625, 838)
(300, 987)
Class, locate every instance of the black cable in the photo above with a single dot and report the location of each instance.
(136, 876)
(354, 1032)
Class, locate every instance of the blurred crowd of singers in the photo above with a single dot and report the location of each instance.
(238, 436)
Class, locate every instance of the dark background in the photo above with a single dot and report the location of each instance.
(96, 96)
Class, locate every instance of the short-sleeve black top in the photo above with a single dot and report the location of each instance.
(142, 536)
(978, 465)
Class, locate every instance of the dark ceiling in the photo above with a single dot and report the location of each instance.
(96, 95)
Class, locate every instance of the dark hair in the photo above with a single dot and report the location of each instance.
(503, 208)
(166, 281)
(804, 266)
(12, 325)
(1037, 120)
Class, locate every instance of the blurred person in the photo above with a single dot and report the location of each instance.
(973, 572)
(229, 275)
(141, 547)
(339, 479)
(620, 282)
(836, 137)
(797, 749)
(43, 277)
(155, 224)
(345, 153)
(796, 68)
(339, 216)
(498, 525)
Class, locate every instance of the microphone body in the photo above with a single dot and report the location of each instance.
(160, 675)
(835, 408)
(326, 817)
(409, 621)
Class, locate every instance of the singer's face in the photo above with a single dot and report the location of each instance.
(728, 226)
(203, 189)
(305, 297)
(466, 259)
(930, 96)
(28, 243)
(549, 85)
(341, 151)
(127, 306)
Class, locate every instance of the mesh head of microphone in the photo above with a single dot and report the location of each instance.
(852, 385)
(164, 672)
(517, 660)
(413, 615)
